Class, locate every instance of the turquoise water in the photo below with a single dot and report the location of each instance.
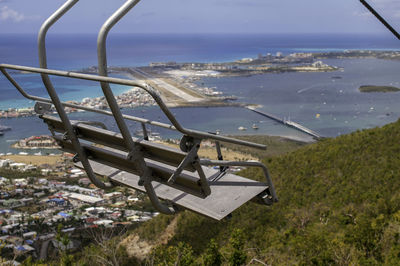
(298, 96)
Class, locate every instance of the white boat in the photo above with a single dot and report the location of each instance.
(255, 126)
(242, 128)
(4, 128)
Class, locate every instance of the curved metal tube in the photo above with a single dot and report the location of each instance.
(89, 109)
(245, 164)
(145, 177)
(53, 94)
(102, 66)
(126, 82)
(155, 201)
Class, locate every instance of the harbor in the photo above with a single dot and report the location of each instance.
(289, 123)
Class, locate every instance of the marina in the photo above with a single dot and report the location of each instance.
(289, 123)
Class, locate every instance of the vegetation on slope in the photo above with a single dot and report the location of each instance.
(339, 204)
(371, 88)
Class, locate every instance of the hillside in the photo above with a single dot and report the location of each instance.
(339, 204)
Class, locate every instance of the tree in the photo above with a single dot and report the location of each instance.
(212, 256)
(106, 248)
(238, 256)
(181, 255)
(63, 242)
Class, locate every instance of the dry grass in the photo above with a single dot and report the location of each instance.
(211, 153)
(140, 248)
(34, 159)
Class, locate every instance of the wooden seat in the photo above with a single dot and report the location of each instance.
(109, 157)
(162, 160)
(155, 151)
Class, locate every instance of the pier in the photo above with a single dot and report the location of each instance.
(289, 123)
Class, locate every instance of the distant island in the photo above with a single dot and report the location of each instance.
(36, 142)
(372, 88)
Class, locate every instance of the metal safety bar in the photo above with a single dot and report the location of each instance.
(135, 154)
(207, 162)
(127, 82)
(69, 130)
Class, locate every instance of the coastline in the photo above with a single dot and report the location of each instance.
(261, 89)
(176, 81)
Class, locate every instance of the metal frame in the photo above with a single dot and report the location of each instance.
(135, 154)
(152, 92)
(190, 142)
(55, 100)
(196, 135)
(273, 197)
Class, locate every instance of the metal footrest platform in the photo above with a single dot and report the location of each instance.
(228, 192)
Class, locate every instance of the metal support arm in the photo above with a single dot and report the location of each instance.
(135, 153)
(153, 93)
(53, 94)
(245, 164)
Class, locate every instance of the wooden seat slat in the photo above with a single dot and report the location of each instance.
(151, 150)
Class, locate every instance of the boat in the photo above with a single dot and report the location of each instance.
(255, 126)
(151, 135)
(4, 128)
(242, 128)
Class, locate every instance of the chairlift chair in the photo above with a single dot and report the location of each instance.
(179, 177)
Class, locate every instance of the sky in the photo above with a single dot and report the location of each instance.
(206, 16)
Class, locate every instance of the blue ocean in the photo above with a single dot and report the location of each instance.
(341, 108)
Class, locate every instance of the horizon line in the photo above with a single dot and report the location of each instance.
(209, 33)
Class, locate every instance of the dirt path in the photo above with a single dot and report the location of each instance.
(138, 248)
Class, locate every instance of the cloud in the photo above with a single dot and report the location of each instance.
(7, 13)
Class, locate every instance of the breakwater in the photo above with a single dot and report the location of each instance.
(289, 123)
